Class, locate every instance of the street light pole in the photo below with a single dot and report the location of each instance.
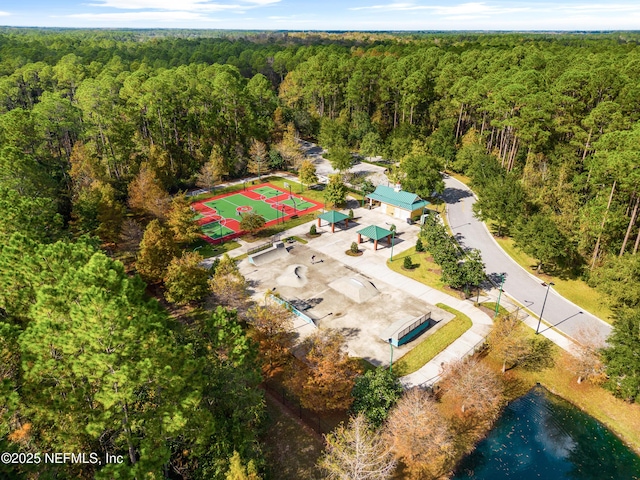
(393, 236)
(391, 360)
(548, 285)
(499, 294)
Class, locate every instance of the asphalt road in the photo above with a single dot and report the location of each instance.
(519, 284)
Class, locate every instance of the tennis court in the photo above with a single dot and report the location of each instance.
(219, 217)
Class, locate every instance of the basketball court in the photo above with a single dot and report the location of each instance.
(219, 217)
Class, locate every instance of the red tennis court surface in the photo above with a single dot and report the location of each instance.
(219, 216)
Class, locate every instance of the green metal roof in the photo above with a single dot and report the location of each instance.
(333, 216)
(374, 232)
(405, 200)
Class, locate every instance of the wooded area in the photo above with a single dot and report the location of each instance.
(99, 130)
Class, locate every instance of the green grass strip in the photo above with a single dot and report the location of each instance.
(433, 345)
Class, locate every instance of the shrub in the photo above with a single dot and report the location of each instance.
(350, 213)
(419, 245)
(354, 248)
(407, 262)
(392, 227)
(312, 229)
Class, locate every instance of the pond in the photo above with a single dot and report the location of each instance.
(543, 436)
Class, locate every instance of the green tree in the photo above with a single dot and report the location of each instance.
(419, 245)
(238, 471)
(36, 218)
(186, 280)
(212, 171)
(371, 145)
(620, 356)
(619, 277)
(540, 238)
(357, 452)
(375, 393)
(340, 158)
(502, 200)
(307, 173)
(421, 175)
(335, 193)
(228, 285)
(252, 222)
(157, 249)
(180, 220)
(104, 374)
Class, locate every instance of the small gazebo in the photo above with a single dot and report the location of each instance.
(334, 217)
(375, 233)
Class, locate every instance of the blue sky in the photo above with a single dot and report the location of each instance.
(327, 14)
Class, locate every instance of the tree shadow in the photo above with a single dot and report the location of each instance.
(454, 195)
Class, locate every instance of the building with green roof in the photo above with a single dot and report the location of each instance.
(396, 203)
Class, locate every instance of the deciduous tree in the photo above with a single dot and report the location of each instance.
(335, 193)
(419, 435)
(274, 334)
(252, 222)
(307, 173)
(180, 220)
(357, 452)
(147, 195)
(473, 387)
(259, 161)
(228, 285)
(157, 249)
(328, 380)
(186, 280)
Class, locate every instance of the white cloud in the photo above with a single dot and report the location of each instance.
(185, 5)
(141, 16)
(4, 14)
(471, 8)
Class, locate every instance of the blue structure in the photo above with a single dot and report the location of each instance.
(405, 330)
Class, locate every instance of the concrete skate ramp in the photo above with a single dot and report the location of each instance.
(356, 288)
(277, 251)
(293, 276)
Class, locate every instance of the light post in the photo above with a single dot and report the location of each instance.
(393, 237)
(391, 360)
(499, 294)
(548, 285)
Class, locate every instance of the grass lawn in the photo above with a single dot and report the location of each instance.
(426, 272)
(292, 448)
(492, 306)
(575, 290)
(207, 250)
(434, 344)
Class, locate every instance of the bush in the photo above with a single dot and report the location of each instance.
(312, 229)
(350, 214)
(419, 245)
(407, 262)
(354, 248)
(392, 227)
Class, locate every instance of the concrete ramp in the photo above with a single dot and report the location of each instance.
(356, 288)
(293, 276)
(277, 251)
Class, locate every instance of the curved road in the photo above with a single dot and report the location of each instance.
(563, 315)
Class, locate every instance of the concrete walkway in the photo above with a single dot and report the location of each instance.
(373, 264)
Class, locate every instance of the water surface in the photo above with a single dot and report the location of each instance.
(541, 436)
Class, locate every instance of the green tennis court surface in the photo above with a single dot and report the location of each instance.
(235, 205)
(216, 230)
(268, 192)
(298, 203)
